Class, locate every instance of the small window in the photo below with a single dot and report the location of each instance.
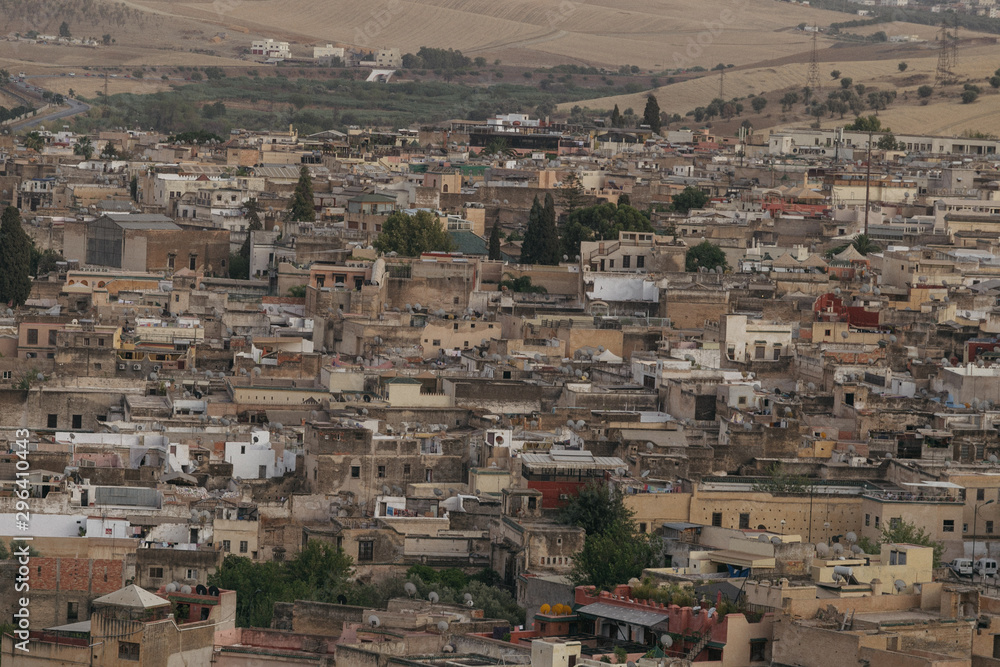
(877, 521)
(356, 472)
(244, 546)
(53, 421)
(128, 651)
(436, 342)
(895, 522)
(428, 475)
(72, 612)
(227, 546)
(627, 262)
(744, 520)
(642, 527)
(52, 337)
(948, 526)
(381, 471)
(717, 519)
(170, 262)
(980, 494)
(406, 469)
(828, 332)
(989, 527)
(192, 573)
(32, 336)
(868, 519)
(366, 550)
(640, 261)
(193, 262)
(156, 573)
(7, 375)
(532, 503)
(77, 421)
(849, 398)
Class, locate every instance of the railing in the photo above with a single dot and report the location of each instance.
(911, 497)
(699, 646)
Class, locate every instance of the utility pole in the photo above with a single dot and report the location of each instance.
(868, 179)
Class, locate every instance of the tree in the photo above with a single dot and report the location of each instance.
(15, 259)
(776, 480)
(969, 96)
(109, 152)
(846, 82)
(494, 244)
(886, 142)
(902, 67)
(689, 198)
(995, 81)
(302, 208)
(43, 261)
(758, 103)
(85, 147)
(925, 91)
(64, 30)
(297, 291)
(499, 147)
(902, 532)
(601, 223)
(863, 243)
(595, 509)
(788, 100)
(541, 239)
(412, 235)
(616, 118)
(133, 188)
(571, 194)
(866, 124)
(35, 141)
(614, 551)
(835, 74)
(651, 115)
(521, 285)
(706, 254)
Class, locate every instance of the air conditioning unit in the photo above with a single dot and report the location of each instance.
(136, 367)
(122, 367)
(156, 367)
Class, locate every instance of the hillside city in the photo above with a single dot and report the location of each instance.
(519, 391)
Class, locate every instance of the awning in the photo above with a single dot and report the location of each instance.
(740, 558)
(646, 619)
(934, 485)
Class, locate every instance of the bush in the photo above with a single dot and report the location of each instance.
(925, 91)
(969, 96)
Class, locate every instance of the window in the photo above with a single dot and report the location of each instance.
(436, 342)
(356, 472)
(52, 337)
(52, 422)
(532, 503)
(827, 332)
(72, 612)
(642, 527)
(745, 520)
(381, 471)
(366, 550)
(32, 336)
(7, 375)
(877, 522)
(170, 261)
(128, 651)
(227, 546)
(191, 573)
(758, 352)
(100, 342)
(244, 546)
(77, 421)
(640, 261)
(777, 353)
(849, 398)
(948, 526)
(627, 262)
(428, 475)
(86, 342)
(989, 527)
(156, 573)
(717, 519)
(980, 494)
(868, 519)
(611, 263)
(406, 469)
(193, 262)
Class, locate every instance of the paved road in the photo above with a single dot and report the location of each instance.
(19, 88)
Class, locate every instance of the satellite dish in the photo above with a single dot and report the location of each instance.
(470, 604)
(186, 590)
(822, 549)
(442, 626)
(666, 641)
(645, 474)
(433, 597)
(763, 538)
(899, 585)
(410, 588)
(851, 537)
(467, 597)
(171, 587)
(650, 446)
(214, 591)
(374, 621)
(201, 589)
(775, 540)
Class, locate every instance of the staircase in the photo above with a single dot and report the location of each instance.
(698, 647)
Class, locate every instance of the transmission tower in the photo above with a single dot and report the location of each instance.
(722, 84)
(813, 79)
(953, 46)
(943, 70)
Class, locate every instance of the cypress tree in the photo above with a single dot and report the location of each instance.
(15, 259)
(494, 248)
(549, 247)
(302, 208)
(533, 237)
(651, 116)
(616, 118)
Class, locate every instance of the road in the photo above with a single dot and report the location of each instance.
(20, 89)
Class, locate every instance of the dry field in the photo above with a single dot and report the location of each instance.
(652, 34)
(89, 86)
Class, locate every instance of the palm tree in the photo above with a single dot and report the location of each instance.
(35, 141)
(863, 243)
(499, 147)
(84, 147)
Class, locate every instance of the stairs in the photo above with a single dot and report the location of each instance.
(698, 647)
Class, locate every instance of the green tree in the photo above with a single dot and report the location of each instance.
(866, 124)
(689, 198)
(758, 103)
(571, 194)
(887, 142)
(863, 243)
(651, 115)
(835, 74)
(412, 235)
(302, 208)
(925, 91)
(614, 554)
(616, 118)
(707, 255)
(521, 285)
(109, 152)
(64, 30)
(297, 291)
(499, 147)
(902, 67)
(35, 141)
(541, 239)
(601, 223)
(85, 147)
(595, 509)
(15, 259)
(788, 100)
(969, 96)
(846, 82)
(43, 261)
(494, 244)
(902, 532)
(995, 81)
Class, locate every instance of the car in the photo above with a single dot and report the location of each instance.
(961, 567)
(985, 567)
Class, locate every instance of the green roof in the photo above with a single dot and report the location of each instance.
(468, 243)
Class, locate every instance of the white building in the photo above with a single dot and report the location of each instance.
(328, 51)
(257, 459)
(270, 49)
(745, 341)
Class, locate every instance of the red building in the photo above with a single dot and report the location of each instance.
(560, 473)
